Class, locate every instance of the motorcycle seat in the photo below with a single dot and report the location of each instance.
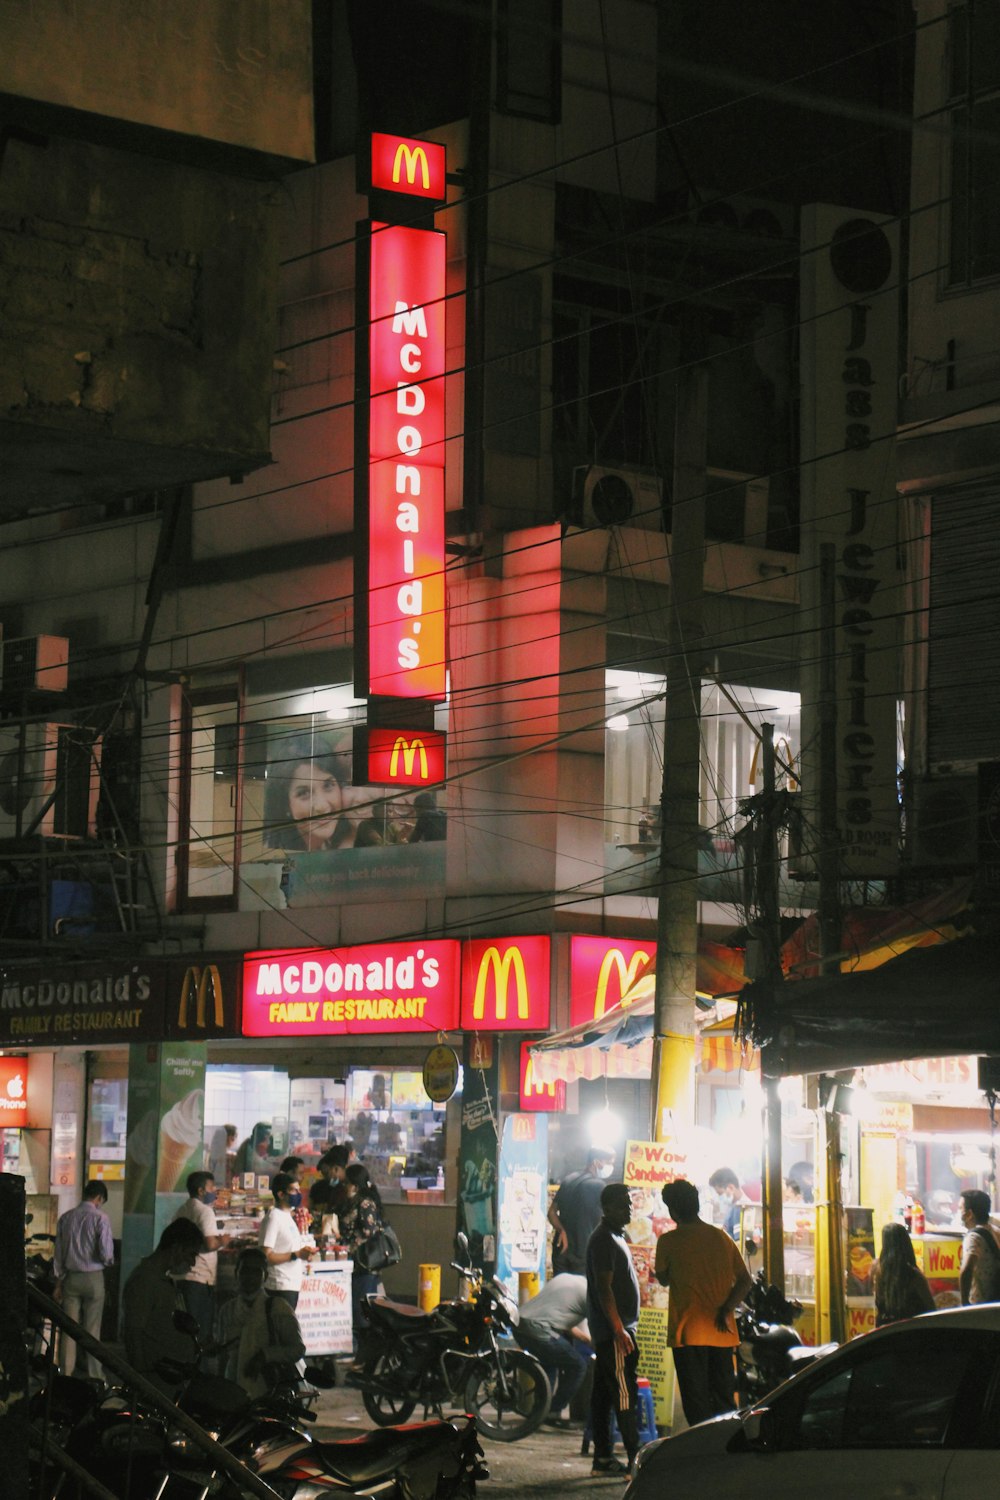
(400, 1313)
(374, 1455)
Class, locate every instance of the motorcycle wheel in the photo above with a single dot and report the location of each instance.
(507, 1416)
(385, 1407)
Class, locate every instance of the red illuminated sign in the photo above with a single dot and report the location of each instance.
(377, 987)
(406, 593)
(601, 970)
(404, 757)
(540, 1098)
(505, 984)
(13, 1091)
(402, 165)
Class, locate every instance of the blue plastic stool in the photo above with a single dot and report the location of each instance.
(645, 1420)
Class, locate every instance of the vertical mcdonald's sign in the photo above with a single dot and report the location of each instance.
(505, 984)
(403, 165)
(539, 1098)
(403, 757)
(601, 971)
(400, 593)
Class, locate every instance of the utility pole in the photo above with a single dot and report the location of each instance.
(832, 1319)
(677, 904)
(766, 872)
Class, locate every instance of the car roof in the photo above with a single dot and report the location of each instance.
(979, 1315)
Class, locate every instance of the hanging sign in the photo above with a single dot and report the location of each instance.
(13, 1091)
(440, 1074)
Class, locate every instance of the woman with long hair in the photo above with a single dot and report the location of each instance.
(360, 1220)
(900, 1289)
(309, 803)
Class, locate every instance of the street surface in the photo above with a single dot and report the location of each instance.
(533, 1466)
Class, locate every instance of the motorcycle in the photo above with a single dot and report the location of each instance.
(138, 1452)
(770, 1350)
(457, 1353)
(436, 1461)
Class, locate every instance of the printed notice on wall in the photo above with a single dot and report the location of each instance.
(324, 1310)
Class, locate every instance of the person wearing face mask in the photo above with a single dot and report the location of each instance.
(285, 1247)
(198, 1284)
(292, 1166)
(258, 1332)
(576, 1211)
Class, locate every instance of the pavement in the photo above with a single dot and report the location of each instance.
(530, 1467)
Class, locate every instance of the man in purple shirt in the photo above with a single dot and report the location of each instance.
(84, 1246)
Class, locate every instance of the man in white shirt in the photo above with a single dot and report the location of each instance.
(198, 1285)
(283, 1244)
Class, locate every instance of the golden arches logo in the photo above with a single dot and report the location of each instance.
(532, 1085)
(195, 987)
(412, 157)
(626, 971)
(409, 750)
(501, 966)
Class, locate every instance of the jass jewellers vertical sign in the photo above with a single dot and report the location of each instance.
(849, 312)
(400, 427)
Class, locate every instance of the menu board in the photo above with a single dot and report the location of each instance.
(324, 1308)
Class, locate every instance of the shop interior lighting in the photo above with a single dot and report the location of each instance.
(604, 1129)
(618, 722)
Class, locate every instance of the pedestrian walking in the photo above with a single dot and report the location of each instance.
(708, 1279)
(553, 1327)
(613, 1316)
(84, 1247)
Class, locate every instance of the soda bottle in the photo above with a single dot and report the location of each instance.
(918, 1217)
(908, 1214)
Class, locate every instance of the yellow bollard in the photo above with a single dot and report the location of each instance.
(527, 1286)
(428, 1288)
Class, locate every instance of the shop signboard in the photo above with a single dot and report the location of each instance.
(522, 1198)
(400, 164)
(13, 1092)
(93, 1003)
(203, 998)
(533, 1095)
(396, 757)
(371, 988)
(601, 971)
(324, 1308)
(505, 984)
(440, 1074)
(647, 1165)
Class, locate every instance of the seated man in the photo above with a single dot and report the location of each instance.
(553, 1327)
(258, 1333)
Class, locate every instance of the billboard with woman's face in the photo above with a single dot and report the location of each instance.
(340, 840)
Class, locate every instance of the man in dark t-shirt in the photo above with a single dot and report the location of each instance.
(576, 1211)
(613, 1316)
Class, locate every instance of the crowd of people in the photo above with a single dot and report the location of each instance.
(586, 1315)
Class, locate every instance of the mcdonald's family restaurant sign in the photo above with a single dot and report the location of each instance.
(91, 1004)
(399, 500)
(601, 971)
(393, 757)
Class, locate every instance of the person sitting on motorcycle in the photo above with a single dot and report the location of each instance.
(360, 1220)
(257, 1333)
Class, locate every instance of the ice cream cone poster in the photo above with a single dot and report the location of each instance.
(180, 1147)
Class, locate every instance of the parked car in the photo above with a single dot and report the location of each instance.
(912, 1409)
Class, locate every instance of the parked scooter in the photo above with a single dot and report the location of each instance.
(457, 1354)
(770, 1350)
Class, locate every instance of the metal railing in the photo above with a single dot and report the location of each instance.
(150, 1395)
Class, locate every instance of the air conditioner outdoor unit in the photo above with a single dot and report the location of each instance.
(944, 824)
(37, 760)
(618, 497)
(35, 663)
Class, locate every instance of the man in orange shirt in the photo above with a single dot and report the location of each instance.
(708, 1279)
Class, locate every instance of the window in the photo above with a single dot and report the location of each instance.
(529, 63)
(730, 761)
(899, 1393)
(974, 106)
